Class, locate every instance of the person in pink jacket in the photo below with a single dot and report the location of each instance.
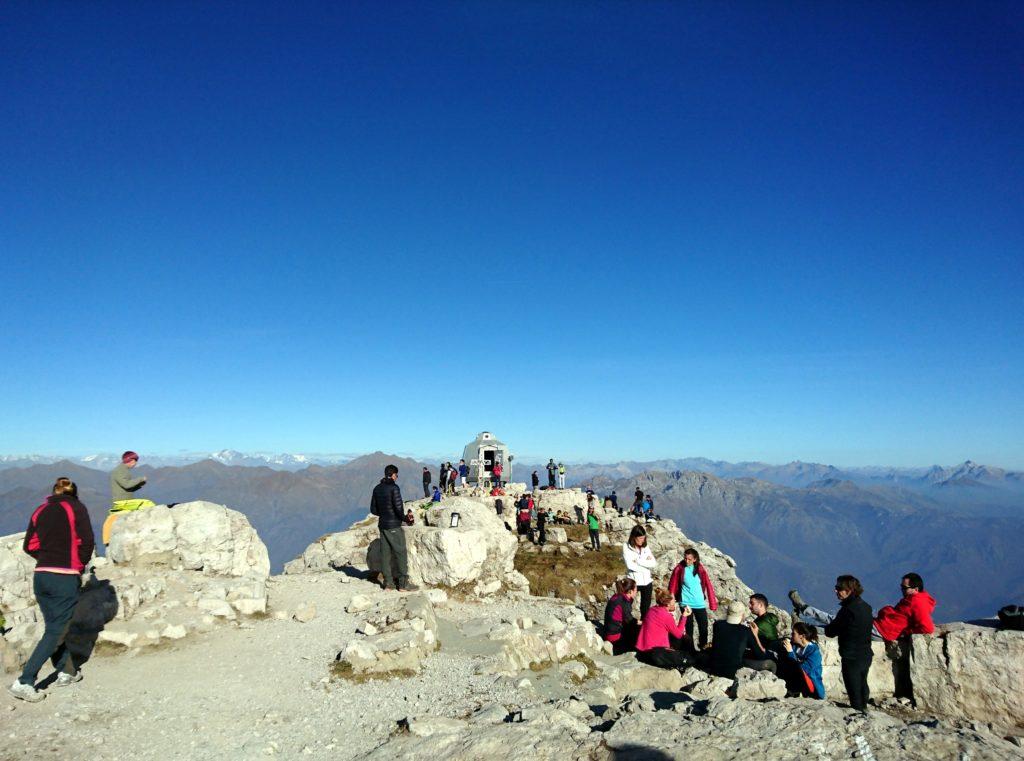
(654, 646)
(911, 615)
(690, 585)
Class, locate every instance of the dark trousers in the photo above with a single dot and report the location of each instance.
(855, 679)
(665, 658)
(627, 642)
(645, 598)
(392, 549)
(426, 490)
(551, 481)
(579, 514)
(595, 538)
(57, 594)
(542, 533)
(700, 615)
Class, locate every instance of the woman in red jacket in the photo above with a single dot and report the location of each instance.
(691, 586)
(911, 615)
(59, 537)
(653, 646)
(620, 628)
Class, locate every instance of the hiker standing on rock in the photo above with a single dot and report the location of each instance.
(535, 479)
(692, 587)
(561, 476)
(639, 563)
(594, 529)
(442, 476)
(122, 489)
(463, 473)
(853, 625)
(496, 473)
(386, 504)
(552, 470)
(426, 481)
(542, 519)
(59, 537)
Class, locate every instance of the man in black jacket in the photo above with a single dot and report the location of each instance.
(386, 504)
(426, 482)
(852, 625)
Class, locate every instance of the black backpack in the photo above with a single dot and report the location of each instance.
(1011, 617)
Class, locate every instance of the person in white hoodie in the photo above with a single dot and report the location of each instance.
(639, 563)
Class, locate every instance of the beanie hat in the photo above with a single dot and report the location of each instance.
(736, 612)
(129, 456)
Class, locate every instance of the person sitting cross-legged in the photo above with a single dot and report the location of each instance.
(653, 646)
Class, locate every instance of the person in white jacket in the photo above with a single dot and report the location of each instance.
(639, 563)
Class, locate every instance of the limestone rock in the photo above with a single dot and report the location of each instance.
(757, 685)
(198, 536)
(557, 535)
(305, 613)
(955, 672)
(404, 633)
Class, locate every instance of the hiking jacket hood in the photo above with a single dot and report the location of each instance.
(386, 504)
(59, 535)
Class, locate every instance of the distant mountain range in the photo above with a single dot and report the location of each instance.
(107, 461)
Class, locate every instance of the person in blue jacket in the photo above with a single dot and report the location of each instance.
(806, 656)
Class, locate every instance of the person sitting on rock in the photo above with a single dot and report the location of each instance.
(437, 495)
(691, 585)
(620, 628)
(768, 631)
(60, 539)
(653, 645)
(410, 519)
(911, 615)
(804, 675)
(731, 638)
(122, 489)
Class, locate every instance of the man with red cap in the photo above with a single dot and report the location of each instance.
(122, 489)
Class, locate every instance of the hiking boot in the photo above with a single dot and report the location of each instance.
(408, 588)
(799, 606)
(25, 692)
(63, 680)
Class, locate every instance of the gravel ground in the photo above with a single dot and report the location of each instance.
(262, 689)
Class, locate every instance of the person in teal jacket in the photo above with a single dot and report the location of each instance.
(807, 680)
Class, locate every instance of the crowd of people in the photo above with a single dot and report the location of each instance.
(672, 630)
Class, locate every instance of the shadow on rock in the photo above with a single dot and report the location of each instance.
(638, 752)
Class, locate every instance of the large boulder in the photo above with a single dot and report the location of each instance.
(972, 671)
(195, 536)
(338, 551)
(881, 675)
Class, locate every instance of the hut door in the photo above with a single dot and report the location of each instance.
(489, 460)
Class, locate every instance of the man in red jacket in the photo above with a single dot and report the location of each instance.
(911, 615)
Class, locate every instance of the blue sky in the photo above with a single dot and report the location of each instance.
(601, 230)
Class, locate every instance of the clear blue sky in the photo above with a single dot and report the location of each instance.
(601, 230)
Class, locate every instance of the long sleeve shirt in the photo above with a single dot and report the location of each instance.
(639, 563)
(658, 624)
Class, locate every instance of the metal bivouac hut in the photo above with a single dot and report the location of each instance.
(481, 454)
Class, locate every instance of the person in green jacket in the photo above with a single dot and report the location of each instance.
(594, 526)
(767, 624)
(122, 491)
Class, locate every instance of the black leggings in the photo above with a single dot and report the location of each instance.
(701, 616)
(855, 679)
(665, 658)
(645, 598)
(595, 538)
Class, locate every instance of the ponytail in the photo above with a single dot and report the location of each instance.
(624, 586)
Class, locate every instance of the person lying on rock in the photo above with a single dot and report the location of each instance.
(620, 628)
(732, 638)
(768, 631)
(653, 645)
(801, 668)
(911, 615)
(59, 537)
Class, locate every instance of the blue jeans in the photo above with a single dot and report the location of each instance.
(57, 594)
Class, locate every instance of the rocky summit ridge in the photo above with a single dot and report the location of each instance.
(196, 651)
